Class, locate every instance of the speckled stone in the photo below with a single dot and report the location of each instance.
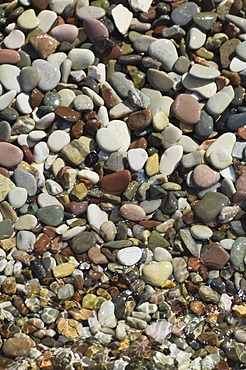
(51, 215)
(210, 206)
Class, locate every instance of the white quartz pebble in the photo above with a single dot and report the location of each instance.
(122, 131)
(57, 140)
(170, 159)
(96, 217)
(46, 19)
(108, 140)
(220, 101)
(92, 176)
(129, 256)
(40, 152)
(137, 158)
(23, 103)
(6, 99)
(122, 18)
(17, 197)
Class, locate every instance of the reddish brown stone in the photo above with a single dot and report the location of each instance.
(96, 256)
(77, 129)
(150, 224)
(42, 245)
(140, 119)
(203, 271)
(186, 108)
(9, 56)
(114, 53)
(115, 183)
(67, 113)
(44, 45)
(92, 126)
(197, 307)
(241, 181)
(148, 16)
(36, 98)
(20, 305)
(193, 264)
(79, 281)
(77, 208)
(28, 156)
(215, 257)
(4, 172)
(95, 29)
(139, 143)
(242, 132)
(40, 4)
(50, 231)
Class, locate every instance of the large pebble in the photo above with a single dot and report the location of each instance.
(238, 253)
(204, 177)
(25, 180)
(129, 256)
(220, 101)
(210, 206)
(170, 159)
(187, 109)
(164, 51)
(106, 316)
(25, 241)
(115, 183)
(132, 212)
(215, 257)
(10, 155)
(49, 74)
(96, 217)
(81, 58)
(51, 215)
(82, 242)
(156, 273)
(108, 140)
(122, 18)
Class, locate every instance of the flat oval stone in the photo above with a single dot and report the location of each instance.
(140, 119)
(67, 113)
(204, 177)
(238, 253)
(122, 18)
(215, 257)
(26, 222)
(96, 216)
(204, 87)
(182, 15)
(50, 215)
(64, 32)
(108, 140)
(220, 101)
(122, 131)
(90, 12)
(129, 256)
(6, 99)
(186, 108)
(17, 197)
(164, 51)
(201, 232)
(10, 155)
(210, 206)
(170, 159)
(81, 58)
(205, 20)
(115, 183)
(29, 78)
(132, 212)
(121, 83)
(25, 180)
(82, 242)
(160, 80)
(203, 72)
(8, 56)
(5, 131)
(95, 29)
(49, 74)
(57, 140)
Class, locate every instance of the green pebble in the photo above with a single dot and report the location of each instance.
(90, 302)
(156, 240)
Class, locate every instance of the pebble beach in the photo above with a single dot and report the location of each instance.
(122, 185)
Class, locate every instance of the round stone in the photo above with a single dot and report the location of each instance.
(164, 51)
(132, 212)
(186, 108)
(17, 197)
(29, 78)
(82, 242)
(201, 232)
(81, 58)
(160, 80)
(129, 256)
(51, 215)
(10, 155)
(204, 177)
(57, 140)
(90, 12)
(108, 140)
(49, 74)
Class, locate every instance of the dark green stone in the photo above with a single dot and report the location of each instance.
(51, 215)
(156, 240)
(6, 229)
(82, 242)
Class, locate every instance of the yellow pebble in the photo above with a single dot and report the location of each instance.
(63, 270)
(79, 191)
(124, 344)
(8, 244)
(171, 186)
(240, 311)
(169, 284)
(152, 165)
(160, 121)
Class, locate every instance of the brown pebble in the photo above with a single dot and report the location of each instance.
(139, 119)
(77, 129)
(67, 113)
(28, 156)
(242, 132)
(9, 285)
(113, 53)
(77, 208)
(139, 143)
(204, 177)
(149, 224)
(36, 98)
(50, 231)
(115, 183)
(241, 181)
(186, 108)
(8, 56)
(95, 29)
(4, 172)
(20, 305)
(215, 257)
(42, 245)
(40, 4)
(10, 155)
(197, 307)
(193, 264)
(44, 45)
